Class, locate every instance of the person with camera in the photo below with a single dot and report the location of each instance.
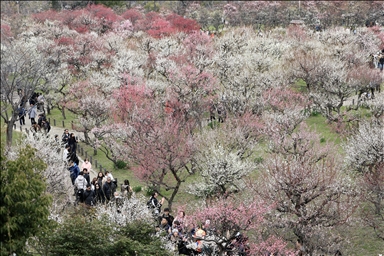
(154, 204)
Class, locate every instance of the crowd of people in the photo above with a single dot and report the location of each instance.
(188, 238)
(36, 104)
(100, 189)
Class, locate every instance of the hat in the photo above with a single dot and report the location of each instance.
(175, 230)
(88, 185)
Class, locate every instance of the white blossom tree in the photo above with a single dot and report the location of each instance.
(246, 65)
(312, 194)
(22, 72)
(221, 170)
(365, 154)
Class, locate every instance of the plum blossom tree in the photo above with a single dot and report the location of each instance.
(284, 110)
(189, 93)
(56, 176)
(333, 65)
(311, 192)
(158, 144)
(199, 50)
(223, 156)
(222, 170)
(22, 70)
(377, 106)
(125, 211)
(365, 154)
(234, 216)
(88, 99)
(133, 15)
(246, 65)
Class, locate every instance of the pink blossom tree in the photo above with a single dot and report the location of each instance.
(156, 143)
(236, 225)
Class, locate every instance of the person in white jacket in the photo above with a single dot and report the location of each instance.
(80, 187)
(65, 154)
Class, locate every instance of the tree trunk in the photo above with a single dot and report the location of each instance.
(63, 112)
(86, 138)
(9, 132)
(174, 193)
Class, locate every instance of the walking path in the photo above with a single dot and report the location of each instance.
(54, 130)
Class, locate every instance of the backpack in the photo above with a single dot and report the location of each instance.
(21, 112)
(149, 203)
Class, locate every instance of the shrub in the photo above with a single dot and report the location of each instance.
(259, 160)
(149, 191)
(137, 189)
(120, 164)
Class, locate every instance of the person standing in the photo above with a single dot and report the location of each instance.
(89, 196)
(381, 60)
(154, 204)
(80, 186)
(168, 216)
(109, 189)
(66, 154)
(100, 179)
(72, 141)
(74, 171)
(86, 164)
(32, 113)
(86, 175)
(100, 197)
(126, 189)
(65, 137)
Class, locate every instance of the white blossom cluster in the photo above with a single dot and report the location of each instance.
(221, 170)
(123, 210)
(56, 174)
(366, 148)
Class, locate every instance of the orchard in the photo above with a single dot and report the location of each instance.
(214, 106)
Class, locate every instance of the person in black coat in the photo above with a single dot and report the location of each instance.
(109, 188)
(86, 175)
(72, 142)
(89, 196)
(100, 197)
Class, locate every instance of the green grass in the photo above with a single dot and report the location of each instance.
(120, 174)
(55, 116)
(300, 86)
(16, 135)
(319, 124)
(362, 241)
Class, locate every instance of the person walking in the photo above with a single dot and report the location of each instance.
(21, 113)
(381, 60)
